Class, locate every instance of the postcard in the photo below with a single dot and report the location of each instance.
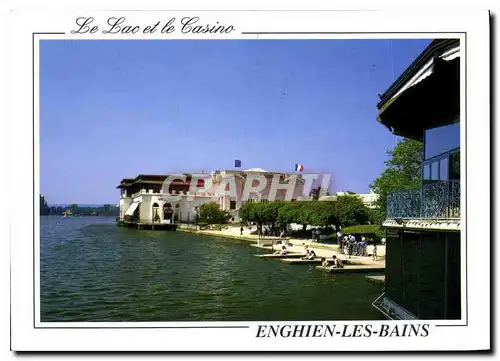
(250, 181)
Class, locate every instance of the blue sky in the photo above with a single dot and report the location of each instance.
(114, 109)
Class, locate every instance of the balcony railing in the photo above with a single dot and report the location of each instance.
(440, 200)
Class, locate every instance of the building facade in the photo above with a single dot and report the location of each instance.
(143, 200)
(369, 199)
(245, 179)
(423, 260)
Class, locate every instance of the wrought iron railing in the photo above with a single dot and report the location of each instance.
(440, 200)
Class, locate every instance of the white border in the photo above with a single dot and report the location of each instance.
(476, 26)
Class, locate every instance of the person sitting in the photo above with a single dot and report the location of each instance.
(311, 255)
(337, 263)
(324, 262)
(281, 252)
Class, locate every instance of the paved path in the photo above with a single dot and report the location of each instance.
(297, 245)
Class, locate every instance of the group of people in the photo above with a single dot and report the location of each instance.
(350, 246)
(333, 263)
(310, 254)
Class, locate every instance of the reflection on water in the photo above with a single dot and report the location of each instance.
(91, 270)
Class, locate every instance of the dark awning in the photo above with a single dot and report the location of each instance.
(432, 102)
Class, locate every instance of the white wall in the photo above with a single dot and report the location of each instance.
(125, 203)
(225, 203)
(146, 208)
(187, 208)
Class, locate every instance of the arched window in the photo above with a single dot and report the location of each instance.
(156, 212)
(167, 211)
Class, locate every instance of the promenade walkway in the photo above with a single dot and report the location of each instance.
(321, 249)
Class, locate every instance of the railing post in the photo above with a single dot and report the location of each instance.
(420, 202)
(449, 187)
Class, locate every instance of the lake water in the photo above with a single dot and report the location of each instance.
(92, 270)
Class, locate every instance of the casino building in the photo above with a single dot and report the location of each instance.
(143, 202)
(423, 254)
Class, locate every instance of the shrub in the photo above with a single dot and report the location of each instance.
(366, 229)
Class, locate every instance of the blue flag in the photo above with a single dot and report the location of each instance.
(237, 163)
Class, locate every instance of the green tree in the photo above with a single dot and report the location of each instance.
(375, 215)
(210, 213)
(306, 213)
(271, 213)
(350, 211)
(403, 172)
(287, 214)
(257, 212)
(263, 214)
(322, 214)
(300, 213)
(244, 213)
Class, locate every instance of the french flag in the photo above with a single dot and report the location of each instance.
(299, 167)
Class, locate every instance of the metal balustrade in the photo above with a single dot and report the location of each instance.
(440, 200)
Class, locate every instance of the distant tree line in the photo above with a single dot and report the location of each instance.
(76, 210)
(346, 211)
